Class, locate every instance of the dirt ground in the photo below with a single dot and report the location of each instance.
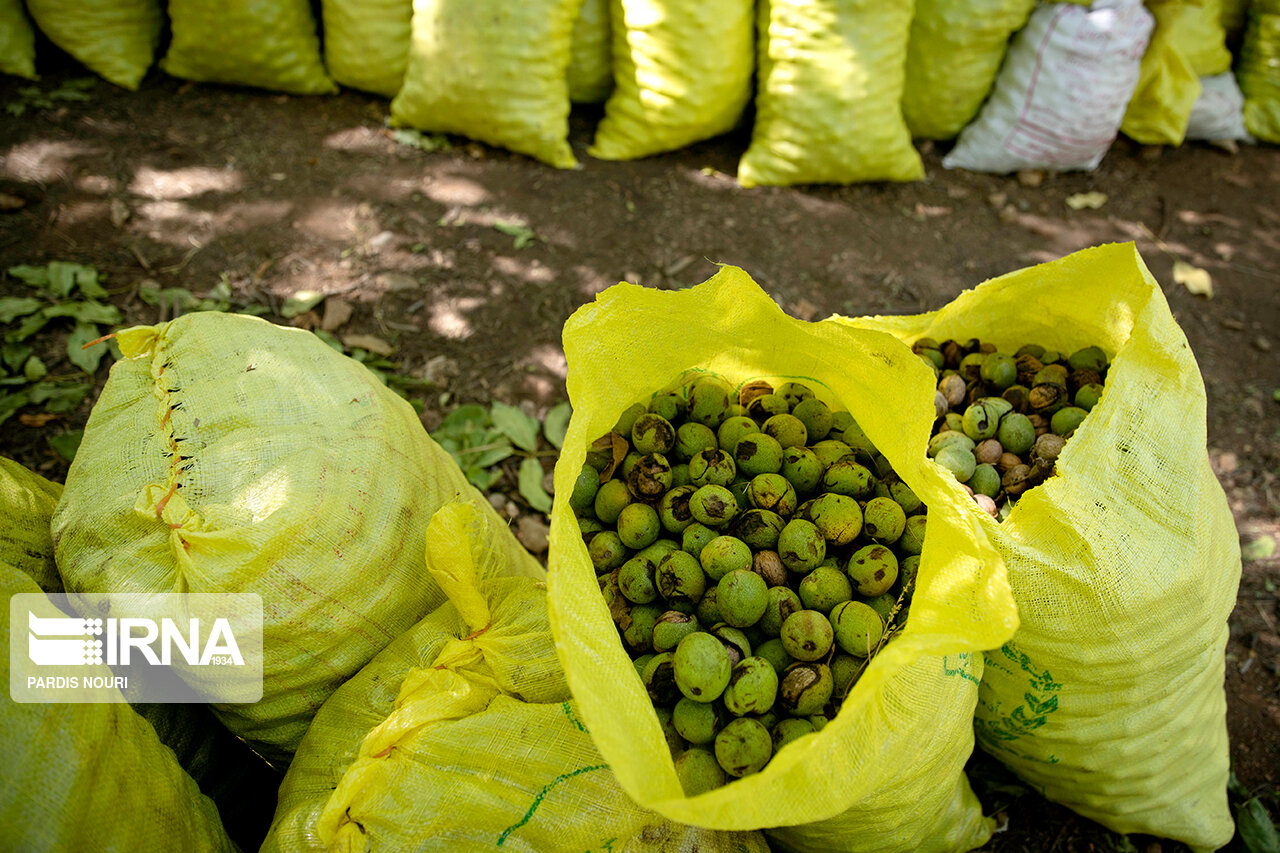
(184, 186)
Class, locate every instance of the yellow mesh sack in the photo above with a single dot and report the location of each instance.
(887, 772)
(269, 44)
(27, 501)
(114, 38)
(1124, 565)
(230, 455)
(590, 72)
(85, 776)
(828, 107)
(682, 73)
(953, 57)
(1201, 38)
(492, 71)
(1259, 71)
(366, 43)
(461, 732)
(17, 41)
(1168, 86)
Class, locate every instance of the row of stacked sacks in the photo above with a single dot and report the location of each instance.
(841, 87)
(428, 686)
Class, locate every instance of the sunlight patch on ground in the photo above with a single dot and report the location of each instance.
(96, 184)
(43, 160)
(331, 220)
(528, 270)
(451, 189)
(188, 182)
(549, 358)
(79, 212)
(175, 222)
(448, 319)
(358, 140)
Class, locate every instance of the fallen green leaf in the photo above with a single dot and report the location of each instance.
(15, 355)
(329, 339)
(59, 398)
(11, 403)
(85, 359)
(29, 326)
(34, 370)
(557, 424)
(34, 276)
(66, 444)
(1262, 548)
(516, 425)
(530, 484)
(87, 311)
(463, 417)
(1255, 828)
(301, 302)
(522, 234)
(422, 141)
(13, 307)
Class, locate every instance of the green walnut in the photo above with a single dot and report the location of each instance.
(872, 569)
(980, 422)
(958, 461)
(758, 453)
(699, 772)
(830, 450)
(787, 430)
(857, 627)
(883, 520)
(611, 497)
(742, 596)
(672, 627)
(723, 555)
(637, 627)
(837, 517)
(845, 670)
(638, 525)
(653, 434)
(824, 588)
(912, 539)
(1087, 396)
(999, 370)
(766, 406)
(801, 546)
(673, 509)
(743, 747)
(780, 602)
(709, 400)
(714, 506)
(734, 640)
(759, 528)
(697, 722)
(678, 574)
(659, 680)
(626, 422)
(708, 609)
(753, 687)
(692, 438)
(733, 430)
(985, 480)
(801, 467)
(905, 498)
(1089, 358)
(637, 580)
(1016, 433)
(670, 406)
(1066, 420)
(846, 476)
(773, 651)
(702, 667)
(816, 417)
(794, 393)
(807, 635)
(696, 537)
(805, 689)
(789, 730)
(858, 442)
(712, 467)
(584, 490)
(772, 492)
(607, 551)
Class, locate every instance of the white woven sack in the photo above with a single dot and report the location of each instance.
(1218, 114)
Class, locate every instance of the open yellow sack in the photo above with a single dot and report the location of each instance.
(887, 772)
(27, 501)
(953, 57)
(682, 74)
(1124, 565)
(17, 41)
(461, 733)
(492, 71)
(90, 776)
(590, 72)
(226, 454)
(270, 44)
(1259, 71)
(829, 102)
(114, 38)
(366, 43)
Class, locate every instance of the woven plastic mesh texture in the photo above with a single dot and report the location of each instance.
(493, 71)
(27, 501)
(460, 736)
(1124, 565)
(905, 730)
(114, 38)
(829, 101)
(1168, 85)
(366, 43)
(1258, 70)
(590, 72)
(230, 455)
(952, 60)
(270, 44)
(17, 41)
(682, 73)
(91, 776)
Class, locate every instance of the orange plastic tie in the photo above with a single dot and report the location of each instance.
(478, 633)
(98, 340)
(165, 500)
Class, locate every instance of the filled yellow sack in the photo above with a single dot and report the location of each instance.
(27, 501)
(1168, 86)
(90, 776)
(17, 41)
(1201, 38)
(953, 57)
(460, 734)
(1259, 71)
(887, 772)
(682, 73)
(269, 44)
(114, 38)
(226, 454)
(1124, 565)
(366, 43)
(828, 109)
(492, 71)
(590, 72)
